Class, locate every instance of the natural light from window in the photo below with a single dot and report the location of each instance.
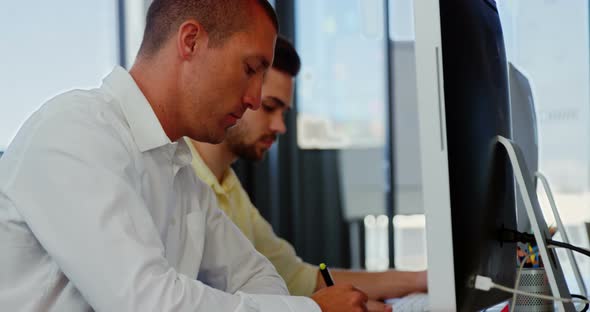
(51, 47)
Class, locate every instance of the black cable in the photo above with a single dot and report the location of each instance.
(583, 298)
(583, 251)
(507, 235)
(512, 236)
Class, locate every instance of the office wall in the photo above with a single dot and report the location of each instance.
(549, 41)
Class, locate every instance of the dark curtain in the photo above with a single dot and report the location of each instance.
(298, 191)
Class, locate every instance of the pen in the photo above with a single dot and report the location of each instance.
(326, 275)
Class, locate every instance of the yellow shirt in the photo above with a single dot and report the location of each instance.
(299, 276)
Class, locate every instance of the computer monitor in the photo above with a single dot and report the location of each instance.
(524, 132)
(468, 185)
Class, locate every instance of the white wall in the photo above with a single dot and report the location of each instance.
(549, 40)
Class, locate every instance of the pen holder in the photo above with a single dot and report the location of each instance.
(533, 280)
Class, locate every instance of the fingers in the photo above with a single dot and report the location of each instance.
(364, 297)
(360, 299)
(377, 306)
(342, 298)
(357, 298)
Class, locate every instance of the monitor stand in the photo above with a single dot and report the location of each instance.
(540, 229)
(561, 229)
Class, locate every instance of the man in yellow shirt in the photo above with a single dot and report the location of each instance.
(252, 136)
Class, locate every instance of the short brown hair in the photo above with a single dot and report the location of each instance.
(220, 18)
(286, 57)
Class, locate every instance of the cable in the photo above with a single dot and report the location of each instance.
(485, 283)
(583, 251)
(522, 262)
(583, 298)
(512, 236)
(507, 235)
(528, 294)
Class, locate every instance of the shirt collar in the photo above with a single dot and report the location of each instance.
(145, 126)
(182, 154)
(230, 179)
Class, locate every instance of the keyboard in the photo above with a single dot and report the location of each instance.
(413, 303)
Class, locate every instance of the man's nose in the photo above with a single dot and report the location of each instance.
(277, 124)
(252, 99)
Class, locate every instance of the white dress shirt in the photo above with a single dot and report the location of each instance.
(100, 211)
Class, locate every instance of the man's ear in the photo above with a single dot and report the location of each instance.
(191, 36)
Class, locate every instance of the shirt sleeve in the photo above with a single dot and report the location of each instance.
(78, 190)
(301, 277)
(231, 262)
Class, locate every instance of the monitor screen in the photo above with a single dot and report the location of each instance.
(524, 132)
(477, 109)
(468, 184)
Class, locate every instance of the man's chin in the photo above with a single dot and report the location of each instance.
(211, 139)
(261, 154)
(252, 155)
(215, 141)
(216, 138)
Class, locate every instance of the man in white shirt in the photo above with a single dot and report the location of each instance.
(250, 139)
(98, 208)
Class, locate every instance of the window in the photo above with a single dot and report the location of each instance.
(342, 88)
(408, 222)
(49, 48)
(342, 110)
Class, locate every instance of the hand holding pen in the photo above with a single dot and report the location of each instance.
(339, 298)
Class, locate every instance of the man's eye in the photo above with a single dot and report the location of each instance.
(268, 108)
(249, 70)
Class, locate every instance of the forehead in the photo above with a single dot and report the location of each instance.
(257, 38)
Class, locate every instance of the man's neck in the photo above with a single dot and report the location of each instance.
(154, 84)
(217, 157)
